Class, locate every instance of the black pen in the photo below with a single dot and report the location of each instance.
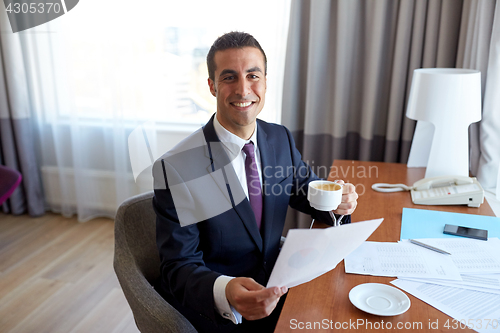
(428, 246)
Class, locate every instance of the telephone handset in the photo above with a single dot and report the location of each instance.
(427, 183)
(454, 190)
(446, 190)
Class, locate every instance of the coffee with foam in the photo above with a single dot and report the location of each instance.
(327, 186)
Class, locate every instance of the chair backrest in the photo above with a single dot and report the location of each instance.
(137, 266)
(135, 221)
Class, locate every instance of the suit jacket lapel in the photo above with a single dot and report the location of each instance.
(216, 158)
(219, 160)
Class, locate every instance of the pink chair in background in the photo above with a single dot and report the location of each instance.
(9, 181)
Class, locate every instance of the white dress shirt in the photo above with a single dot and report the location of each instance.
(233, 145)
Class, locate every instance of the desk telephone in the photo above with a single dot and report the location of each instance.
(446, 190)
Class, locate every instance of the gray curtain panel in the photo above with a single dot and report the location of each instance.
(474, 52)
(17, 137)
(349, 68)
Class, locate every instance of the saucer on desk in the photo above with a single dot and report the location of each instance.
(379, 299)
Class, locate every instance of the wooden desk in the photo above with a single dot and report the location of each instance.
(326, 297)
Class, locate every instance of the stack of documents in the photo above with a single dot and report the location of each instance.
(465, 285)
(475, 300)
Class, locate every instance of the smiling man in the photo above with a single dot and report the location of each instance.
(221, 198)
(239, 84)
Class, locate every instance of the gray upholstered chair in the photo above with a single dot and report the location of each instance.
(137, 265)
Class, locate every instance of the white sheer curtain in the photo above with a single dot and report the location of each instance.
(489, 159)
(479, 48)
(106, 67)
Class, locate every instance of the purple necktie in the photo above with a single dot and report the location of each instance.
(253, 182)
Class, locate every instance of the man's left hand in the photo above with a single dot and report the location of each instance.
(349, 199)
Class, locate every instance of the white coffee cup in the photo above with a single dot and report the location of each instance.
(324, 195)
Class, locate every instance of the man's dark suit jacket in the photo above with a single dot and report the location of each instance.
(193, 256)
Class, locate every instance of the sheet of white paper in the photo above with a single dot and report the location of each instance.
(400, 259)
(309, 253)
(454, 284)
(471, 256)
(481, 311)
(483, 280)
(489, 281)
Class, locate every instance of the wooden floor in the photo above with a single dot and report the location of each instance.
(56, 275)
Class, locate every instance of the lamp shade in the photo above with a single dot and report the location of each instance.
(450, 100)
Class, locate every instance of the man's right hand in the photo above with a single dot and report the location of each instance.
(252, 300)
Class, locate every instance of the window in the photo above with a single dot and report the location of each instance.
(147, 60)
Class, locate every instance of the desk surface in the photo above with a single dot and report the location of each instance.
(326, 297)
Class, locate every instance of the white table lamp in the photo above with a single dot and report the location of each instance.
(445, 101)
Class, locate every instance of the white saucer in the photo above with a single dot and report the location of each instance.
(379, 299)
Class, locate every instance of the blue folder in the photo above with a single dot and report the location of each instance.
(422, 223)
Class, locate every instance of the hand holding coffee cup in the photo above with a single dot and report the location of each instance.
(324, 195)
